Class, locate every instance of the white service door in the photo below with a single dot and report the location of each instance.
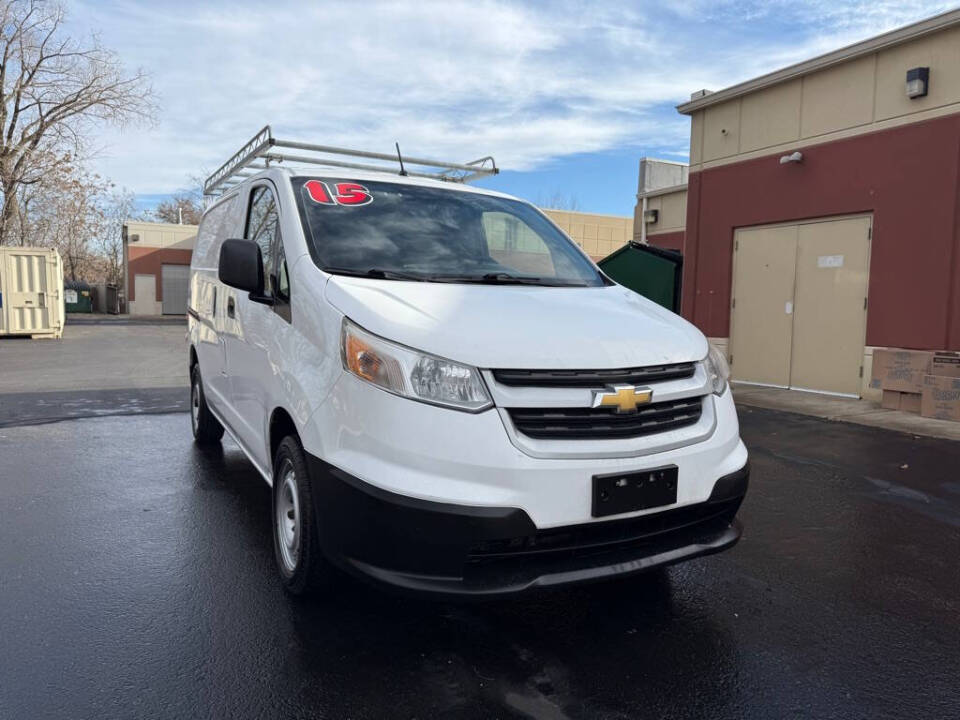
(144, 295)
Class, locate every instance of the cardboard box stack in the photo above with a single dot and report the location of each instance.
(941, 388)
(918, 381)
(900, 374)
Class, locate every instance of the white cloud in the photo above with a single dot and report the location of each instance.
(452, 78)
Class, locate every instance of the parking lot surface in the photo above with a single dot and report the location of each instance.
(137, 580)
(97, 354)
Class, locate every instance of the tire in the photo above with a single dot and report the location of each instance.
(296, 545)
(207, 430)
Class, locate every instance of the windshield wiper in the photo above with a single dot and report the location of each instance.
(492, 278)
(377, 273)
(504, 278)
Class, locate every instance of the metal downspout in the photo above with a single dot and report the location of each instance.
(643, 220)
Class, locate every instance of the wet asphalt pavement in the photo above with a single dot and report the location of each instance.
(137, 580)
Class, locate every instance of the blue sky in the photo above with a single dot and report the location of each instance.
(568, 96)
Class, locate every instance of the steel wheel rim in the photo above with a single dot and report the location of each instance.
(195, 404)
(287, 518)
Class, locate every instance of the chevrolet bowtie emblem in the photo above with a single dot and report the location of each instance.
(625, 398)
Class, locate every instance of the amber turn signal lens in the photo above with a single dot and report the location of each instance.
(361, 359)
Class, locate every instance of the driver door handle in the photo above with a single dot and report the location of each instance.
(230, 308)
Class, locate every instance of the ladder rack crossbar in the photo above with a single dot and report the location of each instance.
(257, 154)
(373, 155)
(277, 157)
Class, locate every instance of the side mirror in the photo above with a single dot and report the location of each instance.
(241, 267)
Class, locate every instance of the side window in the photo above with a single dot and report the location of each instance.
(282, 304)
(283, 280)
(515, 245)
(263, 227)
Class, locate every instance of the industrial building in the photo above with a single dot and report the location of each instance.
(598, 235)
(821, 211)
(156, 266)
(660, 217)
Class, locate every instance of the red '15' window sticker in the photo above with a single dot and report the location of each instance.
(345, 193)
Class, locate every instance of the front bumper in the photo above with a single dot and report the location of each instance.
(452, 549)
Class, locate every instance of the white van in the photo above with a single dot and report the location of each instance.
(444, 392)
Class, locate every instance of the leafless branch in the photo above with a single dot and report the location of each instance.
(53, 88)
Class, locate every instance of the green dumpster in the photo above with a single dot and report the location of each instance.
(653, 272)
(76, 297)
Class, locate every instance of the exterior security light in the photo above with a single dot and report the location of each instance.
(918, 81)
(651, 216)
(792, 158)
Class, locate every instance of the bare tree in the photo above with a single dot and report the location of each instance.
(558, 201)
(52, 87)
(76, 218)
(33, 220)
(117, 207)
(181, 207)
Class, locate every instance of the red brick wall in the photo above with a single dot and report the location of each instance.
(668, 241)
(147, 261)
(906, 176)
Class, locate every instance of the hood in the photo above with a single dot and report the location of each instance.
(518, 326)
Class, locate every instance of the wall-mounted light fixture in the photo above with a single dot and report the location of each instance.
(918, 82)
(791, 158)
(651, 216)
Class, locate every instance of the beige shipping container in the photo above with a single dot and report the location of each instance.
(31, 292)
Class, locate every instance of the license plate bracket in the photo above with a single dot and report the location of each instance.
(616, 493)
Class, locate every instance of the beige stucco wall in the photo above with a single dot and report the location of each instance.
(857, 96)
(672, 213)
(598, 235)
(161, 235)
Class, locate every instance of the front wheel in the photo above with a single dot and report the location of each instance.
(207, 430)
(303, 569)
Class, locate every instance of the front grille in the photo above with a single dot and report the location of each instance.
(594, 378)
(605, 423)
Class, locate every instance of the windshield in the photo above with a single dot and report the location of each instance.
(408, 232)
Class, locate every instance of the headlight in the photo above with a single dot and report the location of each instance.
(412, 374)
(717, 370)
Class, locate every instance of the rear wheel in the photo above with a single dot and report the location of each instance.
(302, 566)
(207, 430)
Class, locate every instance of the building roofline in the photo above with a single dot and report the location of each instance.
(844, 54)
(662, 191)
(160, 224)
(665, 162)
(582, 212)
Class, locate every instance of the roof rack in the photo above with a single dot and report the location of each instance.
(260, 152)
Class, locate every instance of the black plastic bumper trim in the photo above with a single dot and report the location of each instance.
(426, 546)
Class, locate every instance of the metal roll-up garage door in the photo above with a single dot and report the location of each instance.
(176, 279)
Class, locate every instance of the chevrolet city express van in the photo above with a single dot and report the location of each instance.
(445, 393)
